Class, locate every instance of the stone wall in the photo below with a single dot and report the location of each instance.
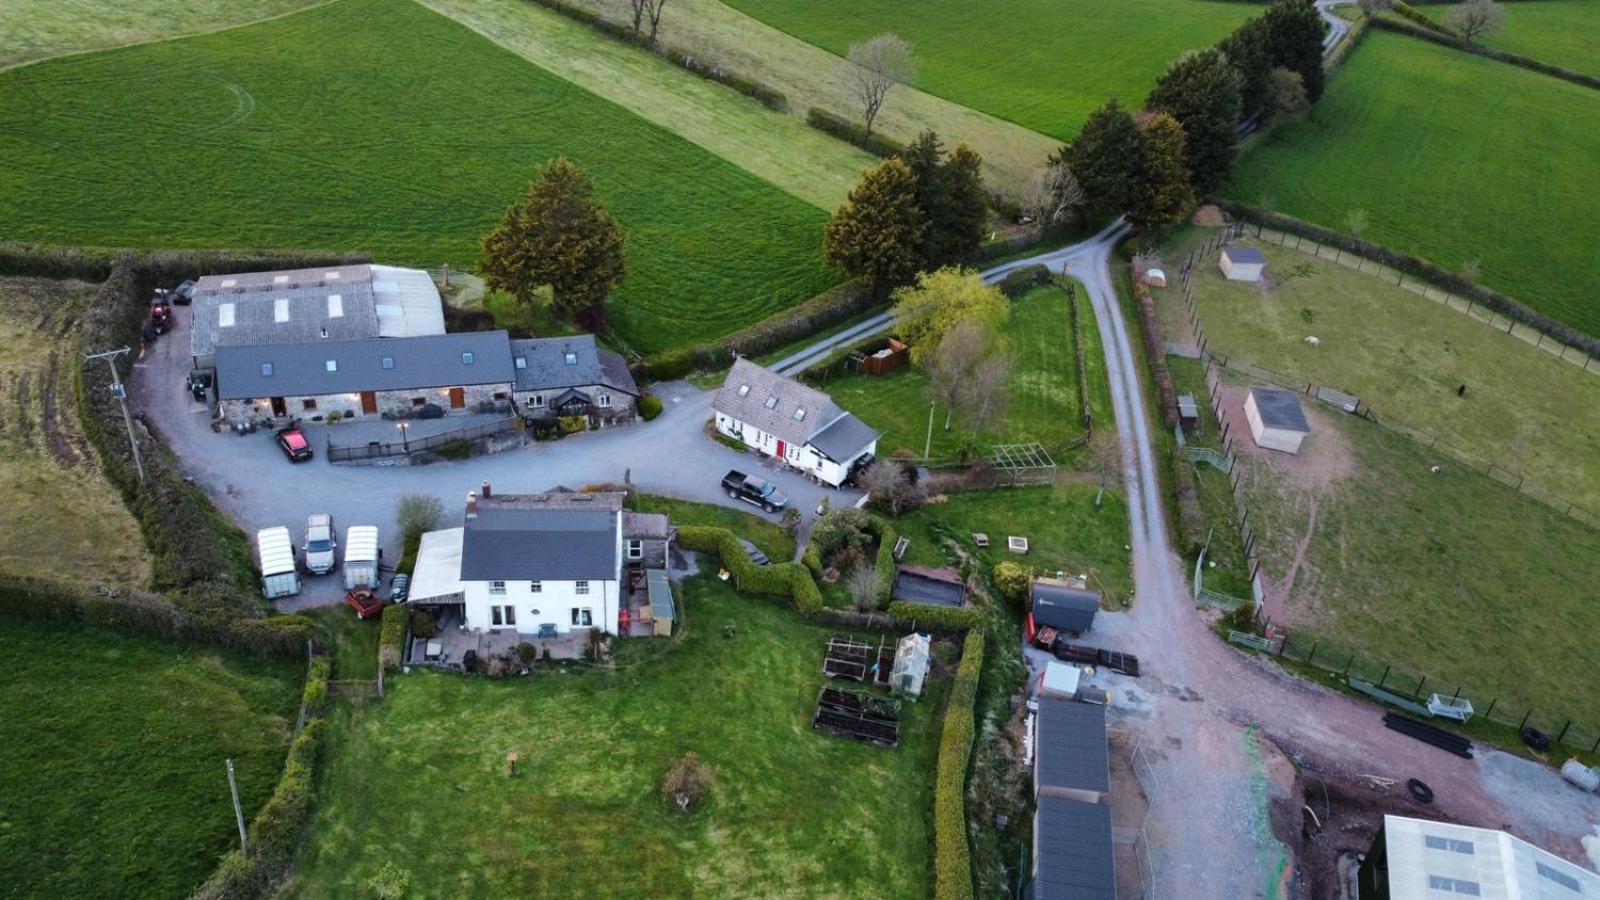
(530, 407)
(393, 403)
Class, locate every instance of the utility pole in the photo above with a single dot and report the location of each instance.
(238, 812)
(121, 393)
(927, 445)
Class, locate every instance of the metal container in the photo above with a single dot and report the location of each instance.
(1580, 775)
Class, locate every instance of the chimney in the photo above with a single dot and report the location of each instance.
(486, 492)
(472, 505)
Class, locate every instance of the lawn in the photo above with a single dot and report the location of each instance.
(1453, 158)
(1560, 32)
(1065, 531)
(421, 780)
(1044, 64)
(1406, 357)
(390, 129)
(34, 29)
(764, 534)
(114, 783)
(1436, 574)
(1045, 405)
(56, 503)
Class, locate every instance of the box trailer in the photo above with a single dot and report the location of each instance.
(279, 578)
(361, 556)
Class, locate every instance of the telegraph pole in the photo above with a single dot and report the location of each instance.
(238, 812)
(121, 393)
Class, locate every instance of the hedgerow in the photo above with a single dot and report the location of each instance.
(952, 857)
(836, 304)
(392, 634)
(845, 130)
(787, 579)
(929, 616)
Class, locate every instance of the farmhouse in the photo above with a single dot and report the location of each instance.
(338, 303)
(571, 376)
(1413, 859)
(800, 425)
(456, 372)
(1066, 606)
(1276, 420)
(1242, 263)
(546, 566)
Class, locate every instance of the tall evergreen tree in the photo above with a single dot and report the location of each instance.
(950, 193)
(925, 158)
(878, 233)
(1162, 193)
(1104, 157)
(560, 236)
(1295, 33)
(1247, 52)
(969, 205)
(1201, 91)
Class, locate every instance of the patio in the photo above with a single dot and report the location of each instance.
(447, 648)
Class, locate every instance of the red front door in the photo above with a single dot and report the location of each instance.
(780, 450)
(458, 398)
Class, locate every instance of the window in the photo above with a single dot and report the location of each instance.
(511, 614)
(230, 282)
(744, 390)
(333, 365)
(466, 358)
(1454, 885)
(582, 618)
(388, 362)
(308, 405)
(499, 395)
(497, 588)
(772, 402)
(280, 309)
(572, 359)
(800, 415)
(503, 615)
(266, 370)
(419, 401)
(225, 315)
(635, 549)
(280, 279)
(605, 399)
(538, 401)
(330, 276)
(1433, 842)
(335, 306)
(582, 588)
(535, 587)
(522, 362)
(1561, 878)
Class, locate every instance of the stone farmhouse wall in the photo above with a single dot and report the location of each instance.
(349, 405)
(529, 406)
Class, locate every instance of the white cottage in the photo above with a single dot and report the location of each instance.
(798, 424)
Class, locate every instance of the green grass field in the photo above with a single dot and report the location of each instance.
(389, 128)
(114, 783)
(764, 534)
(1454, 158)
(1227, 568)
(421, 779)
(1406, 356)
(1561, 32)
(1045, 406)
(1044, 64)
(1436, 574)
(34, 29)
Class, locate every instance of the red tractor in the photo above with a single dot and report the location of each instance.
(161, 316)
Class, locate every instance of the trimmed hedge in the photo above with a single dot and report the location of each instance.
(1020, 281)
(1406, 11)
(787, 579)
(940, 618)
(952, 857)
(1417, 268)
(649, 407)
(884, 564)
(49, 261)
(392, 635)
(850, 132)
(1440, 36)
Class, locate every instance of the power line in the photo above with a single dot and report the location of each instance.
(119, 391)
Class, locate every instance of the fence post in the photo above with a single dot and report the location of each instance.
(1491, 707)
(1418, 693)
(1347, 664)
(1563, 732)
(1385, 676)
(1313, 654)
(1524, 723)
(1283, 646)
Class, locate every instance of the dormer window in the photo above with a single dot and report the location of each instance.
(772, 402)
(744, 390)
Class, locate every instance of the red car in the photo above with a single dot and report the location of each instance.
(364, 601)
(294, 445)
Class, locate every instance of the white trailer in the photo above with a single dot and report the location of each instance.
(361, 556)
(279, 577)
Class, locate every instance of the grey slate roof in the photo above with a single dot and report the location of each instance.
(542, 364)
(748, 389)
(434, 361)
(646, 526)
(542, 537)
(1072, 746)
(1280, 409)
(1060, 606)
(1246, 255)
(1075, 859)
(252, 298)
(844, 438)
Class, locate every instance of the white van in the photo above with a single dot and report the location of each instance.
(361, 556)
(279, 578)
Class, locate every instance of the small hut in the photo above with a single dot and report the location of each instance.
(910, 665)
(1188, 413)
(1243, 263)
(1276, 420)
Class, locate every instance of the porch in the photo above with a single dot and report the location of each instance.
(648, 609)
(450, 645)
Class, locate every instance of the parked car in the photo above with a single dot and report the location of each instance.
(320, 544)
(364, 601)
(183, 294)
(294, 445)
(754, 491)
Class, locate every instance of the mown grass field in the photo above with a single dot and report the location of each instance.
(56, 504)
(1044, 64)
(34, 29)
(1406, 356)
(421, 780)
(114, 783)
(1453, 158)
(392, 129)
(1451, 575)
(1561, 32)
(1045, 405)
(764, 534)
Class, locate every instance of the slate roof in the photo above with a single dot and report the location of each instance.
(1280, 409)
(1071, 746)
(646, 526)
(1245, 255)
(844, 438)
(542, 537)
(1060, 606)
(749, 388)
(251, 301)
(542, 364)
(1075, 859)
(435, 361)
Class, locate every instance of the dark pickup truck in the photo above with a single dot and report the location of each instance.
(754, 491)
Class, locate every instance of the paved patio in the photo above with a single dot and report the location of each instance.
(449, 646)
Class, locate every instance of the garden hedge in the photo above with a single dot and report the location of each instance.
(850, 132)
(1438, 35)
(392, 635)
(952, 857)
(1020, 281)
(787, 579)
(649, 407)
(928, 616)
(1417, 268)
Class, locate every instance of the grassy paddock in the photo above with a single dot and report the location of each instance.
(1561, 32)
(421, 779)
(114, 784)
(1453, 158)
(764, 534)
(1406, 357)
(56, 504)
(1044, 64)
(35, 29)
(394, 130)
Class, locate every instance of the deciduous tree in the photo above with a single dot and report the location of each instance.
(1051, 195)
(1162, 193)
(1103, 158)
(1201, 91)
(861, 582)
(876, 66)
(1295, 32)
(877, 234)
(1473, 19)
(560, 236)
(951, 365)
(1286, 95)
(926, 311)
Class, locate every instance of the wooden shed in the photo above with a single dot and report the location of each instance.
(1242, 263)
(1276, 420)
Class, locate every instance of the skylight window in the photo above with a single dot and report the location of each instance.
(230, 282)
(467, 358)
(280, 279)
(800, 415)
(266, 369)
(772, 402)
(333, 365)
(744, 390)
(335, 306)
(280, 310)
(225, 315)
(388, 362)
(522, 362)
(335, 275)
(572, 359)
